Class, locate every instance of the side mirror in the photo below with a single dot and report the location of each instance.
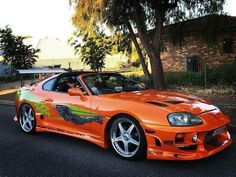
(76, 92)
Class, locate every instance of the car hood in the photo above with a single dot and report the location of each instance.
(171, 101)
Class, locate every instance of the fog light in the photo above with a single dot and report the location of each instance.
(195, 137)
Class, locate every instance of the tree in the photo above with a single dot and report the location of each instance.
(15, 52)
(147, 18)
(94, 50)
(88, 15)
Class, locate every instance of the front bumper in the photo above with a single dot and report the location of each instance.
(177, 143)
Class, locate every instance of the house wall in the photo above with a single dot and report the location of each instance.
(75, 64)
(174, 58)
(112, 62)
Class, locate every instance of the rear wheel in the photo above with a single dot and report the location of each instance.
(126, 138)
(27, 119)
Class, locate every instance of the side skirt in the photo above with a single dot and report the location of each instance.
(79, 135)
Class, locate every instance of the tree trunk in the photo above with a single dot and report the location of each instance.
(152, 47)
(156, 42)
(141, 58)
(155, 60)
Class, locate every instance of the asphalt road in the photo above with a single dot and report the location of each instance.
(49, 155)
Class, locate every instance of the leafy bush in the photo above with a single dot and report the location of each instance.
(223, 75)
(185, 78)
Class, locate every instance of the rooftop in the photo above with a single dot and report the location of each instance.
(208, 22)
(51, 48)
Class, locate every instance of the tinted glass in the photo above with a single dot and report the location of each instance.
(110, 83)
(49, 85)
(64, 84)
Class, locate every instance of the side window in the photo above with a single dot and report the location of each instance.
(79, 85)
(48, 86)
(67, 82)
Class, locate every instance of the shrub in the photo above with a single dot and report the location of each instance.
(185, 78)
(222, 75)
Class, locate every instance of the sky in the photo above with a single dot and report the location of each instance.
(38, 18)
(41, 18)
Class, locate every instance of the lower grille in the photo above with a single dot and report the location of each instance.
(188, 147)
(211, 141)
(209, 136)
(215, 143)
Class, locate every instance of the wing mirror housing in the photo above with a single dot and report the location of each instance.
(76, 92)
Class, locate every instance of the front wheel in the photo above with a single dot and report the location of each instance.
(27, 119)
(126, 138)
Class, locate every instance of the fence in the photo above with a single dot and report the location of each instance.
(199, 72)
(202, 73)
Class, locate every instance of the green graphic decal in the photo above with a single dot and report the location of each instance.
(39, 105)
(18, 94)
(42, 108)
(68, 112)
(77, 115)
(81, 112)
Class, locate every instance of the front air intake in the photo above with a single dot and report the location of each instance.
(157, 103)
(174, 102)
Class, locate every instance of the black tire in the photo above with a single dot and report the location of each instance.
(128, 139)
(27, 123)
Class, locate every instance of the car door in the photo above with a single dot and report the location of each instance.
(69, 114)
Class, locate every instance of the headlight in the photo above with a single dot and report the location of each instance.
(183, 119)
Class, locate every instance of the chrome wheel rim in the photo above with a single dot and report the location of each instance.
(125, 137)
(27, 118)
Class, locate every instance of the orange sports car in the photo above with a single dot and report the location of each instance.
(113, 111)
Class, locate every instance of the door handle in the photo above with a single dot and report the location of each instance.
(48, 99)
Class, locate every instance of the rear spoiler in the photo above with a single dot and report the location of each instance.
(39, 72)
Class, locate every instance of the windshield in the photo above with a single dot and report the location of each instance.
(107, 83)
